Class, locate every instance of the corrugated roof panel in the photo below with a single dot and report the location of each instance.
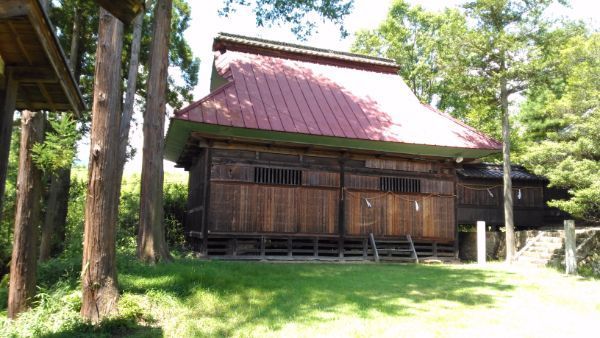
(275, 94)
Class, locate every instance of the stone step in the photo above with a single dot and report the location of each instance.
(552, 240)
(532, 260)
(543, 249)
(554, 234)
(538, 256)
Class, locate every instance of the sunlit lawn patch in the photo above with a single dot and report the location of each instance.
(200, 298)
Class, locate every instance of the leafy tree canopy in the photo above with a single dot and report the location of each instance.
(562, 127)
(301, 14)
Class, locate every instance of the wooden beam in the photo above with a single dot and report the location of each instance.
(43, 28)
(35, 105)
(124, 10)
(13, 8)
(2, 69)
(19, 42)
(47, 96)
(34, 74)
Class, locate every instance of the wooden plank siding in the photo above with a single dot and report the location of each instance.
(393, 214)
(482, 200)
(318, 203)
(254, 208)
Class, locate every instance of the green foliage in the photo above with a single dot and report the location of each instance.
(58, 149)
(174, 199)
(457, 60)
(300, 14)
(75, 216)
(180, 53)
(425, 45)
(568, 152)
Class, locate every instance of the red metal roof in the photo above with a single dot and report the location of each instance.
(272, 93)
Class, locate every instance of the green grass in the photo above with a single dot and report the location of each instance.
(201, 298)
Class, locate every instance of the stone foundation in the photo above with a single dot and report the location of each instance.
(495, 244)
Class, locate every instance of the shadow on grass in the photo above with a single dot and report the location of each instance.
(251, 293)
(236, 297)
(108, 328)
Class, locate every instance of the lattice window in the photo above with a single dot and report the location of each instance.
(399, 184)
(277, 176)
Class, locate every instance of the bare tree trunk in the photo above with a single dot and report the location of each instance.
(151, 243)
(99, 270)
(53, 228)
(508, 196)
(8, 100)
(134, 63)
(27, 215)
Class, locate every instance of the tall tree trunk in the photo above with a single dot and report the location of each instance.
(53, 228)
(508, 196)
(134, 63)
(27, 215)
(8, 100)
(99, 270)
(151, 243)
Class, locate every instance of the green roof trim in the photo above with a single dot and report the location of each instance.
(180, 131)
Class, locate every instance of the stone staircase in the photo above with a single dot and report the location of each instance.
(547, 246)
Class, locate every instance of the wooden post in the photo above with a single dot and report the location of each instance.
(205, 199)
(481, 250)
(342, 212)
(8, 100)
(375, 253)
(456, 232)
(570, 248)
(27, 216)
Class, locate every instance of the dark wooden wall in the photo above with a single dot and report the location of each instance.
(328, 200)
(475, 203)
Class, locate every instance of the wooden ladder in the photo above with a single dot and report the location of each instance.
(394, 250)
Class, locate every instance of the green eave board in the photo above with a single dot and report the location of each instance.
(180, 131)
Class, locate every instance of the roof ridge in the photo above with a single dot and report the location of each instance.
(304, 49)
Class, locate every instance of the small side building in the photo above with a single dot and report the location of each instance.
(299, 151)
(480, 197)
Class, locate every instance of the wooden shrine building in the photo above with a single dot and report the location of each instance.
(480, 197)
(305, 152)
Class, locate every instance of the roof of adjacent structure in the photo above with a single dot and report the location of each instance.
(496, 171)
(124, 10)
(285, 97)
(32, 55)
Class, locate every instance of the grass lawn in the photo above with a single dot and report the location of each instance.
(200, 298)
